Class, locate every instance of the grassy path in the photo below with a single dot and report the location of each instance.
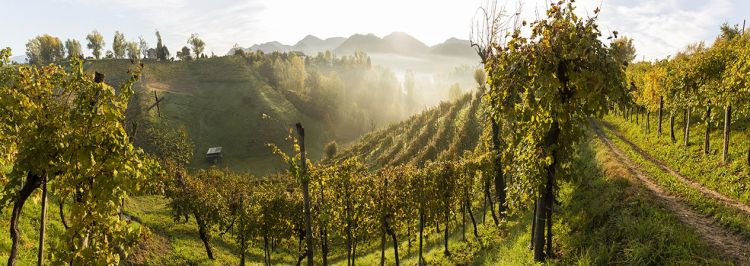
(664, 167)
(733, 245)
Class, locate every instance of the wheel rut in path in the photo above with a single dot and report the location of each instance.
(729, 202)
(733, 245)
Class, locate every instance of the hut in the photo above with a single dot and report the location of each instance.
(213, 156)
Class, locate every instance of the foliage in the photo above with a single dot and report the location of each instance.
(66, 126)
(197, 44)
(143, 47)
(134, 53)
(73, 47)
(119, 45)
(162, 53)
(184, 54)
(44, 49)
(95, 43)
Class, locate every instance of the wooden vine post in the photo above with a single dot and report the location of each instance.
(305, 194)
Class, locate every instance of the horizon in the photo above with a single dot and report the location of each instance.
(659, 28)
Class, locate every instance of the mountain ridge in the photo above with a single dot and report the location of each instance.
(399, 43)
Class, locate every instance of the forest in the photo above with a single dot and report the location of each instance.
(566, 150)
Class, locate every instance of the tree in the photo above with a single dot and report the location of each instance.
(119, 45)
(330, 150)
(44, 49)
(67, 129)
(74, 48)
(484, 35)
(480, 78)
(564, 75)
(197, 44)
(623, 50)
(300, 173)
(201, 196)
(162, 53)
(134, 53)
(96, 43)
(143, 46)
(184, 54)
(151, 53)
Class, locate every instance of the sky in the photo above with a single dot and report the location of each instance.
(659, 27)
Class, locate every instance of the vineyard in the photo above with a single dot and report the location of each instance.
(568, 152)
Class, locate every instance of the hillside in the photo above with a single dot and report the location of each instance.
(230, 102)
(221, 102)
(442, 132)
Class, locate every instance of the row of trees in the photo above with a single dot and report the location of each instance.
(61, 132)
(45, 49)
(346, 202)
(700, 77)
(348, 94)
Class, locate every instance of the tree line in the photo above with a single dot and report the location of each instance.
(699, 79)
(45, 49)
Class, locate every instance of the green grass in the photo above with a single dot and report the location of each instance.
(732, 219)
(608, 220)
(731, 180)
(601, 219)
(221, 102)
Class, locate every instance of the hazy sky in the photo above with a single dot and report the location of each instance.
(659, 27)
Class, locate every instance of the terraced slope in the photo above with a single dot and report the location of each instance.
(442, 132)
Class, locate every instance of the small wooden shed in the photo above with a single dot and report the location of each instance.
(213, 156)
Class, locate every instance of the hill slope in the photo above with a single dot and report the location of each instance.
(442, 132)
(225, 102)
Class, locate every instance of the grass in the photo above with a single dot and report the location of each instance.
(601, 219)
(732, 219)
(221, 102)
(731, 179)
(608, 220)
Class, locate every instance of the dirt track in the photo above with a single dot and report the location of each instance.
(733, 245)
(732, 203)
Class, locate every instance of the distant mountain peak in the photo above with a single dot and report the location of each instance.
(397, 42)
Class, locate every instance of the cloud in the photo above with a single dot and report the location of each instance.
(662, 28)
(220, 23)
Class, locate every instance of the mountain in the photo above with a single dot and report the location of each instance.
(19, 59)
(367, 43)
(402, 43)
(396, 43)
(454, 47)
(271, 47)
(312, 45)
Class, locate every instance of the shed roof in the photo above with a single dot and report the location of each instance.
(214, 150)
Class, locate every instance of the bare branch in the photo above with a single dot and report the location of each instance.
(491, 26)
